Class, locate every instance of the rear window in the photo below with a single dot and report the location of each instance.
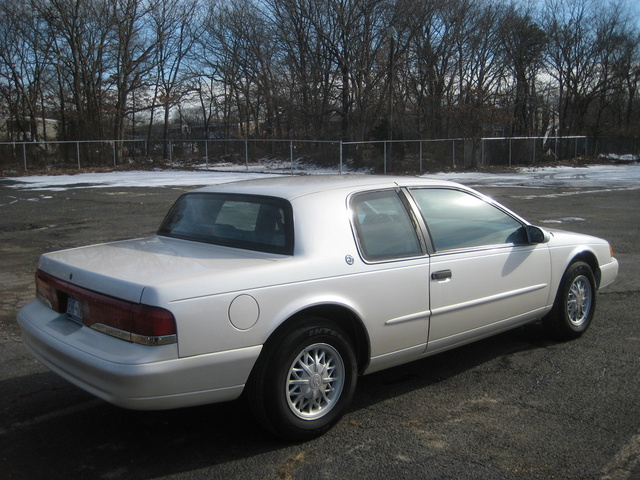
(242, 221)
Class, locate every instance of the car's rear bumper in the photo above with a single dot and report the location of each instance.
(130, 375)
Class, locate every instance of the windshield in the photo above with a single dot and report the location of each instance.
(241, 221)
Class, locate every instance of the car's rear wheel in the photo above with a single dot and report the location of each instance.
(304, 380)
(574, 304)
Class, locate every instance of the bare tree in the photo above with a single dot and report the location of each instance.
(432, 65)
(25, 61)
(210, 104)
(306, 68)
(79, 40)
(588, 46)
(618, 51)
(353, 69)
(264, 67)
(481, 75)
(355, 33)
(629, 77)
(571, 59)
(524, 44)
(175, 32)
(218, 64)
(228, 57)
(132, 52)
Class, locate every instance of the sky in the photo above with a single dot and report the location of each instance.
(626, 176)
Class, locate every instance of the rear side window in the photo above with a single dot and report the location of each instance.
(457, 219)
(241, 221)
(384, 228)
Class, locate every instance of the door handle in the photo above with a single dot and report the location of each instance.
(441, 275)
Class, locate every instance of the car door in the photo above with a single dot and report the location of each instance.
(390, 290)
(484, 275)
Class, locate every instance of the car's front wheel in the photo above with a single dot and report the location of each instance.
(574, 304)
(304, 380)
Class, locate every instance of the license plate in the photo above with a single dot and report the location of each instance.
(74, 309)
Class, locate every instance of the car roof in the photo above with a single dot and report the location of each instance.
(294, 186)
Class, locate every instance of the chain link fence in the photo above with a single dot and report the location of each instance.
(305, 156)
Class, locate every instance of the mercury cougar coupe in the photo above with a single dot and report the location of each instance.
(286, 289)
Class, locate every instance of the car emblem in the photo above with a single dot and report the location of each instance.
(349, 259)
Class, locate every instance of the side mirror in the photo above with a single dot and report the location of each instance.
(537, 234)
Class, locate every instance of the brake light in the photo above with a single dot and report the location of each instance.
(137, 323)
(46, 292)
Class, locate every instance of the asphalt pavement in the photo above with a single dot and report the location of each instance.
(515, 406)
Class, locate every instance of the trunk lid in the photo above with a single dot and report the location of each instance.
(125, 269)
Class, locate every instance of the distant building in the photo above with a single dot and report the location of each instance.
(10, 132)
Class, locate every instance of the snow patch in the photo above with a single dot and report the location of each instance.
(623, 176)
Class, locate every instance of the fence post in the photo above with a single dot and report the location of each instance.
(291, 155)
(341, 146)
(510, 149)
(246, 154)
(114, 154)
(385, 158)
(78, 153)
(453, 143)
(420, 156)
(482, 158)
(206, 154)
(24, 155)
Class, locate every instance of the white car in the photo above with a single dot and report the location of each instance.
(288, 288)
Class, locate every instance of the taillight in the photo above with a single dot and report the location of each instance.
(137, 323)
(46, 292)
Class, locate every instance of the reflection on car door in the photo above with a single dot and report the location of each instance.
(484, 275)
(482, 292)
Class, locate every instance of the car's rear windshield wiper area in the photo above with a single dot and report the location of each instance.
(242, 221)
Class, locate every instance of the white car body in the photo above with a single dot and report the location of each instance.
(228, 302)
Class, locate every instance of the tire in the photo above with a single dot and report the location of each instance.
(304, 380)
(574, 304)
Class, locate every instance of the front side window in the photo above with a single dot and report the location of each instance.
(384, 229)
(241, 221)
(457, 219)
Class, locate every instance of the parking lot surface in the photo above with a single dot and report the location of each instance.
(515, 406)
